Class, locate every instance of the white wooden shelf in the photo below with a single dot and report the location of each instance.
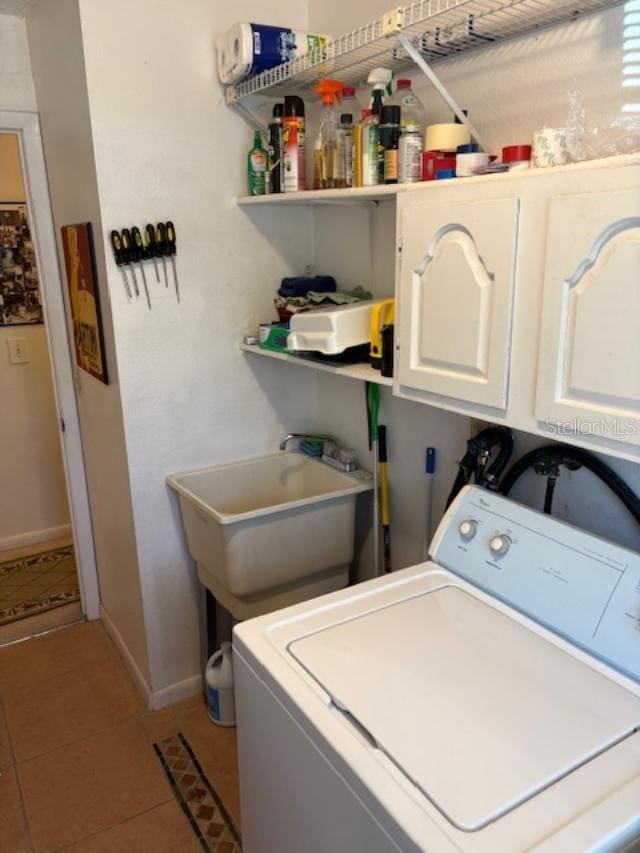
(437, 28)
(362, 372)
(357, 195)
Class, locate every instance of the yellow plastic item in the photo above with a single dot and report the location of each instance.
(382, 314)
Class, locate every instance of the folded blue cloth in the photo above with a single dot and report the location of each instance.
(301, 285)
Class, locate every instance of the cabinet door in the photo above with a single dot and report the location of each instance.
(589, 361)
(456, 284)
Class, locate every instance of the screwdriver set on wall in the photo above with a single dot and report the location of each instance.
(131, 249)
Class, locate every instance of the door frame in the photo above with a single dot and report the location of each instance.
(27, 127)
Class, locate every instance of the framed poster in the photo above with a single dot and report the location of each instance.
(84, 298)
(20, 302)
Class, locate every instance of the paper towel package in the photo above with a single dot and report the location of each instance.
(247, 49)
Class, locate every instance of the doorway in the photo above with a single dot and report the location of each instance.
(47, 562)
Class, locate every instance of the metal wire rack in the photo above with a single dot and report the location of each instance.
(438, 29)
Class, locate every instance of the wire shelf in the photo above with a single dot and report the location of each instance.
(438, 28)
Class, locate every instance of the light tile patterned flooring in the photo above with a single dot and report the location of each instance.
(78, 770)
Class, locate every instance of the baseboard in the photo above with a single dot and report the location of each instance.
(34, 537)
(132, 667)
(176, 692)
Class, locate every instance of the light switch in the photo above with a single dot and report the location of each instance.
(18, 353)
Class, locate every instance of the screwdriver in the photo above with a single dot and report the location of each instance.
(150, 246)
(127, 246)
(171, 251)
(161, 243)
(137, 255)
(118, 254)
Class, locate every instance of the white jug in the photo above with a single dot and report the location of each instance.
(219, 679)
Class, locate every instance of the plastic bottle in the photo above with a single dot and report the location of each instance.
(293, 144)
(325, 148)
(218, 676)
(410, 155)
(390, 142)
(380, 79)
(413, 113)
(257, 166)
(274, 151)
(344, 151)
(349, 101)
(370, 137)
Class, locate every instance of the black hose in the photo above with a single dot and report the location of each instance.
(480, 445)
(562, 452)
(548, 494)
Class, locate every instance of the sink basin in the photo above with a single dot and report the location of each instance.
(274, 523)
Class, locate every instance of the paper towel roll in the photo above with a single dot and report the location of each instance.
(466, 164)
(446, 137)
(550, 147)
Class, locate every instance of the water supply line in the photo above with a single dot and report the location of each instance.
(475, 466)
(547, 461)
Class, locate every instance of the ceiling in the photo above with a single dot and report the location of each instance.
(15, 7)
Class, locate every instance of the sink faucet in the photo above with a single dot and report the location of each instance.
(304, 437)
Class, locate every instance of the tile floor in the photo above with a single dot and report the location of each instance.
(78, 770)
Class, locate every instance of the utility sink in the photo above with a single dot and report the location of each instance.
(270, 531)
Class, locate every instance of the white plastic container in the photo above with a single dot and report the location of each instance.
(331, 330)
(218, 676)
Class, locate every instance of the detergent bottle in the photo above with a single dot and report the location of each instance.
(218, 676)
(325, 149)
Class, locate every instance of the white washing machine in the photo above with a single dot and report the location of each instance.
(488, 700)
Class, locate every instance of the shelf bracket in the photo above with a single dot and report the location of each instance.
(256, 121)
(438, 85)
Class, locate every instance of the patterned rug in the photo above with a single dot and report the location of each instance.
(198, 799)
(37, 583)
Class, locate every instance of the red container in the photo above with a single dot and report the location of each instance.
(434, 161)
(516, 153)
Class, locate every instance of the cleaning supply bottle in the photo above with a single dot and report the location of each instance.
(325, 149)
(413, 113)
(410, 155)
(369, 145)
(274, 150)
(344, 151)
(257, 166)
(293, 144)
(390, 142)
(380, 80)
(349, 101)
(218, 676)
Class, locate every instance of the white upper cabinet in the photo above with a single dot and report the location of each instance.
(589, 361)
(455, 289)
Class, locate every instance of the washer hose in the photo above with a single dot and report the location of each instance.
(473, 464)
(553, 455)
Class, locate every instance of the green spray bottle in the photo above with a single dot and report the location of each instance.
(257, 163)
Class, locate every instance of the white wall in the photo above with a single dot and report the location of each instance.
(16, 83)
(166, 146)
(58, 70)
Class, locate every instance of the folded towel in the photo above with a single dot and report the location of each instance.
(301, 285)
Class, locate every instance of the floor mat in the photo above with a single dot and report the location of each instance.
(197, 797)
(37, 583)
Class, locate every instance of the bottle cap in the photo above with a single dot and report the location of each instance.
(278, 110)
(348, 91)
(366, 112)
(390, 114)
(516, 153)
(346, 118)
(293, 106)
(403, 84)
(329, 90)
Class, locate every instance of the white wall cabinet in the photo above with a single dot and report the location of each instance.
(456, 276)
(589, 363)
(525, 310)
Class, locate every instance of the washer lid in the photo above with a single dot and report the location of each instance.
(477, 710)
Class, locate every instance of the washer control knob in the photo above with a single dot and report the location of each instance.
(499, 545)
(467, 529)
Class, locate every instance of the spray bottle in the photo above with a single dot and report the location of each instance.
(293, 144)
(324, 154)
(380, 80)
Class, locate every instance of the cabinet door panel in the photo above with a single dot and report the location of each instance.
(456, 283)
(589, 365)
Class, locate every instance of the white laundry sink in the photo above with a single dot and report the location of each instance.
(270, 526)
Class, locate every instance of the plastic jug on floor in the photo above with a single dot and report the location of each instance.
(219, 680)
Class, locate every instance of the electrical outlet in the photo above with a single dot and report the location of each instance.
(18, 353)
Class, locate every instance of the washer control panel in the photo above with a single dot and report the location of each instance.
(582, 587)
